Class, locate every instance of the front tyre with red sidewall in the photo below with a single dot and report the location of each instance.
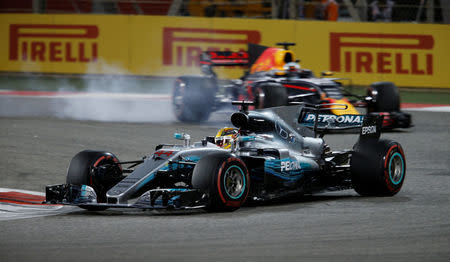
(98, 169)
(224, 178)
(378, 169)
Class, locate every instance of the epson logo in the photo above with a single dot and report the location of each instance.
(343, 119)
(290, 165)
(366, 130)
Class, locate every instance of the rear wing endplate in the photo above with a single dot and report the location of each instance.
(371, 128)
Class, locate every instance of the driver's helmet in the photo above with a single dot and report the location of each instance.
(225, 136)
(292, 68)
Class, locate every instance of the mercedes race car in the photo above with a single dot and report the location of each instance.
(275, 78)
(262, 158)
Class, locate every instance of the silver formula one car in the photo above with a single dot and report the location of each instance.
(264, 158)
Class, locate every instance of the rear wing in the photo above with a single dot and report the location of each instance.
(310, 116)
(224, 58)
(229, 58)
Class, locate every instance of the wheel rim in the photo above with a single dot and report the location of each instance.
(396, 168)
(260, 97)
(234, 182)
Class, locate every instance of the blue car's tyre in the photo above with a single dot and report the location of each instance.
(270, 95)
(386, 97)
(378, 169)
(97, 169)
(224, 178)
(193, 98)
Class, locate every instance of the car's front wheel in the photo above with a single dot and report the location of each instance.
(224, 178)
(193, 98)
(97, 169)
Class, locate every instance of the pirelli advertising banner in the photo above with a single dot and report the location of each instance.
(410, 55)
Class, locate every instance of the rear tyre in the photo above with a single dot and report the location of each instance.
(386, 96)
(224, 178)
(193, 98)
(97, 169)
(378, 169)
(270, 95)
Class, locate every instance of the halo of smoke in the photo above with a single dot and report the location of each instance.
(103, 106)
(115, 95)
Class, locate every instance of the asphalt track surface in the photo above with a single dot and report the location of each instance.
(414, 225)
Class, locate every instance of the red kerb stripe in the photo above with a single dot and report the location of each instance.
(21, 198)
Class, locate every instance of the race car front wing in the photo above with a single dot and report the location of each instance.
(168, 198)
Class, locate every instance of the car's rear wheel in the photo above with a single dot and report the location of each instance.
(270, 95)
(224, 178)
(378, 169)
(193, 98)
(386, 97)
(97, 169)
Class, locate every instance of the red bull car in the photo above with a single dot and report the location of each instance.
(274, 78)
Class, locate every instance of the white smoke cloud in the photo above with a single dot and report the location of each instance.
(115, 96)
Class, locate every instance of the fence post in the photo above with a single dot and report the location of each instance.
(361, 5)
(430, 11)
(445, 5)
(352, 10)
